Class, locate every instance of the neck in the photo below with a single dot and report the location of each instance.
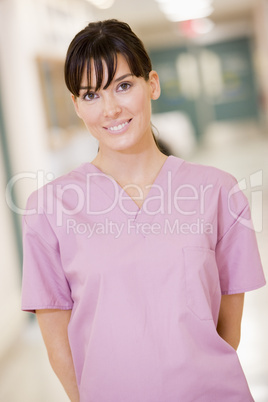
(136, 167)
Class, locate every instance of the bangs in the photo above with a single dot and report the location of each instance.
(100, 58)
(95, 49)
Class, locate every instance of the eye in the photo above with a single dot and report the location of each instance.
(124, 86)
(90, 96)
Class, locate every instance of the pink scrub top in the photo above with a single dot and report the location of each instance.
(144, 285)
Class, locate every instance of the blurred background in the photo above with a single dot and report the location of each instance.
(212, 62)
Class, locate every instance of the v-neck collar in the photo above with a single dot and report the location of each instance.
(161, 180)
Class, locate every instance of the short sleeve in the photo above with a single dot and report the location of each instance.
(44, 284)
(237, 254)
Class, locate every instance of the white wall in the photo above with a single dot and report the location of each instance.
(10, 318)
(29, 28)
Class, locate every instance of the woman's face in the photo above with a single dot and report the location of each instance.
(118, 116)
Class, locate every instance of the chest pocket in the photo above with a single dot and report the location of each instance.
(203, 294)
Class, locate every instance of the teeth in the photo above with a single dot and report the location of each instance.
(117, 128)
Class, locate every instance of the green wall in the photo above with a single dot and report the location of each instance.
(238, 97)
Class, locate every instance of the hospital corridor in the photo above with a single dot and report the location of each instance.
(213, 110)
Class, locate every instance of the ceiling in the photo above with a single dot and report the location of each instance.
(151, 25)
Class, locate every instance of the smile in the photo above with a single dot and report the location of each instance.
(120, 126)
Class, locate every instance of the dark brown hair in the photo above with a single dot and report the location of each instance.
(101, 42)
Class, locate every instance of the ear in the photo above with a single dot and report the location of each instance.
(154, 84)
(74, 99)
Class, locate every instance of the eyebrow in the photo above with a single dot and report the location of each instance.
(122, 77)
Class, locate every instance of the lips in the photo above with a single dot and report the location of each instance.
(118, 126)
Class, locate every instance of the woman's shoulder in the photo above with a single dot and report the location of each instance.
(72, 181)
(202, 174)
(223, 186)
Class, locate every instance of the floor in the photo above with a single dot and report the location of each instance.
(241, 149)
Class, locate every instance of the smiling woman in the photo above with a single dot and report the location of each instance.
(112, 85)
(136, 263)
(118, 116)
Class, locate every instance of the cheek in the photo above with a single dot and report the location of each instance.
(89, 115)
(140, 103)
(91, 121)
(144, 107)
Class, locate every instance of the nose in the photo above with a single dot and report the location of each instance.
(111, 107)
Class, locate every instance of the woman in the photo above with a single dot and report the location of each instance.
(136, 264)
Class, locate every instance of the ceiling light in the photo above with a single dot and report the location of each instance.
(190, 3)
(102, 4)
(191, 15)
(178, 10)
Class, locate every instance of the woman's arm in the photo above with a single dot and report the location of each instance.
(54, 325)
(230, 317)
